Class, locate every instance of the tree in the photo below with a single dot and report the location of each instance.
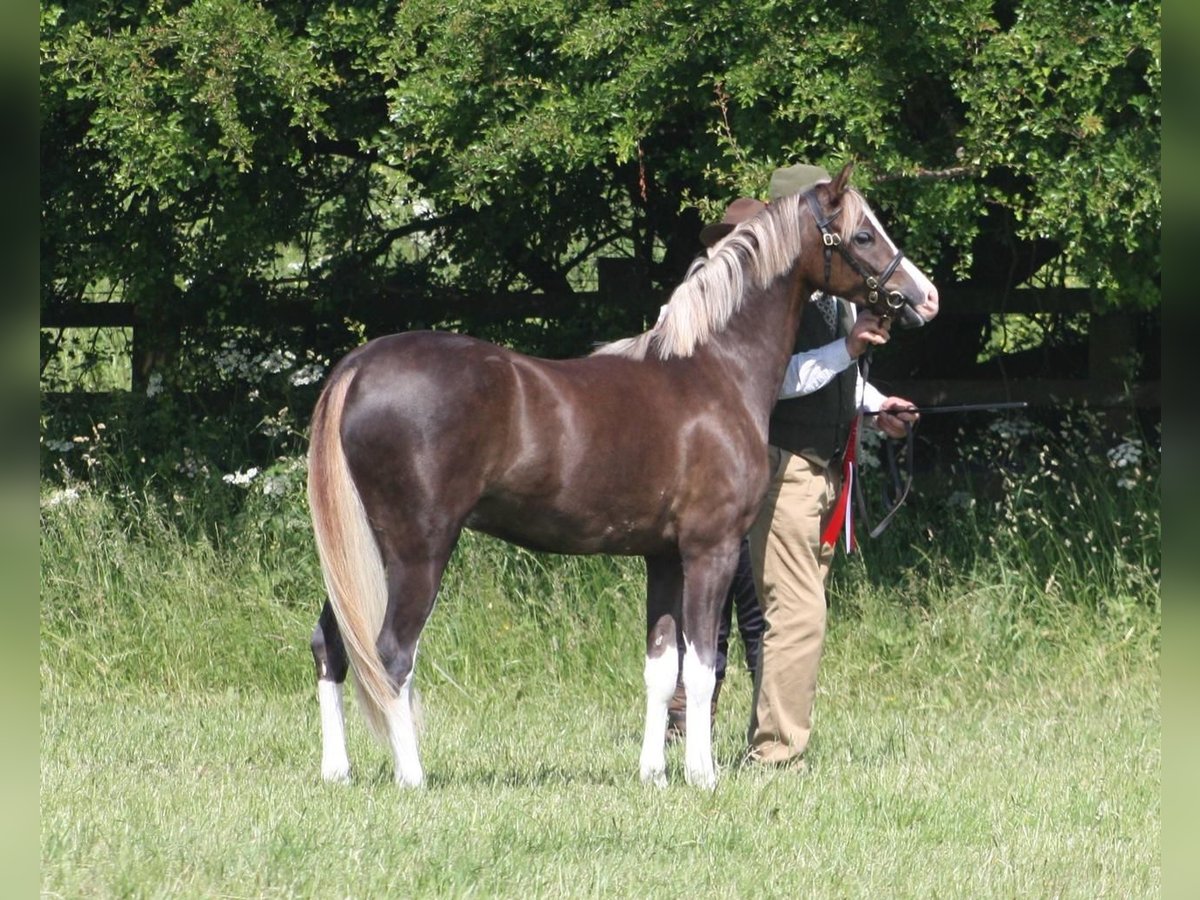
(393, 162)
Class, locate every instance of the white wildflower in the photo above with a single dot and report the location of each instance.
(233, 360)
(1011, 429)
(60, 446)
(66, 495)
(154, 385)
(307, 374)
(277, 361)
(870, 440)
(273, 426)
(1126, 453)
(241, 478)
(191, 466)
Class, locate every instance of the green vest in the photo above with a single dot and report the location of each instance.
(817, 425)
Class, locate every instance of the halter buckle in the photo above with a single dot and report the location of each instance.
(895, 300)
(831, 238)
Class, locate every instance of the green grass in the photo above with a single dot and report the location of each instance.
(981, 730)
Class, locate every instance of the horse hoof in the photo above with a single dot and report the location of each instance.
(656, 777)
(336, 774)
(410, 780)
(705, 779)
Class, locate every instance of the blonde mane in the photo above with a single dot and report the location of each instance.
(754, 254)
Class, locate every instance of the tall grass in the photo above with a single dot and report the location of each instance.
(987, 719)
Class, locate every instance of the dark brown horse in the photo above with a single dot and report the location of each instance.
(653, 446)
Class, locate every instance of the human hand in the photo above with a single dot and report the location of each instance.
(893, 423)
(868, 329)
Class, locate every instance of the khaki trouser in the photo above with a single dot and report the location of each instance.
(789, 572)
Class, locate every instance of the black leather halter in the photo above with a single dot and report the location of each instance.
(883, 302)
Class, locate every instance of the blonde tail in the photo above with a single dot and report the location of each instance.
(350, 558)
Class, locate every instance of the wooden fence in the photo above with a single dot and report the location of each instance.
(1111, 338)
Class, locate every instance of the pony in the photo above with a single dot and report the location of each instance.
(654, 446)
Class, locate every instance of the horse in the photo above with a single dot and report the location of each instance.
(654, 446)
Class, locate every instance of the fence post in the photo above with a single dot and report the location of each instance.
(1111, 359)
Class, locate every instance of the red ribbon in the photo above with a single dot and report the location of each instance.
(841, 517)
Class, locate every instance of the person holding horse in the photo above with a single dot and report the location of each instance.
(809, 429)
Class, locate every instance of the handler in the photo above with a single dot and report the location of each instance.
(809, 427)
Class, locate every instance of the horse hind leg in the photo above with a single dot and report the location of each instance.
(412, 589)
(663, 590)
(329, 657)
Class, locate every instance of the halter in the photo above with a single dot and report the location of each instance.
(885, 303)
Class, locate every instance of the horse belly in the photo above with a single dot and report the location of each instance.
(581, 525)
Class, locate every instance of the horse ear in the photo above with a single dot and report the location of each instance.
(841, 181)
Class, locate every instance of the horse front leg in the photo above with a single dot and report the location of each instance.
(664, 590)
(329, 657)
(705, 584)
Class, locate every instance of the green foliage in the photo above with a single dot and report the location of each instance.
(1057, 515)
(168, 141)
(1067, 101)
(385, 150)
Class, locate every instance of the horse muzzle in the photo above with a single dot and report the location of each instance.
(910, 313)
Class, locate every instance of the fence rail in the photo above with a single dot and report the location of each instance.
(1110, 339)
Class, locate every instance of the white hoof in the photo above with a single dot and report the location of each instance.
(656, 776)
(705, 778)
(410, 780)
(336, 773)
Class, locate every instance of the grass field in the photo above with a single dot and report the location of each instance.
(988, 725)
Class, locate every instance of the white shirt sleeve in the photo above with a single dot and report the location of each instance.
(813, 369)
(870, 397)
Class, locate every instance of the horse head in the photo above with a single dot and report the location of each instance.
(860, 261)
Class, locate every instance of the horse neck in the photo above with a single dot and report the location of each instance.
(754, 348)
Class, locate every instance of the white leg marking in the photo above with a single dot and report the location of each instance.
(660, 675)
(335, 765)
(403, 734)
(698, 682)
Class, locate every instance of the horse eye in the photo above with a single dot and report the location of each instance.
(862, 238)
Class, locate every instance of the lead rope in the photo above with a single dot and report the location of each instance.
(856, 454)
